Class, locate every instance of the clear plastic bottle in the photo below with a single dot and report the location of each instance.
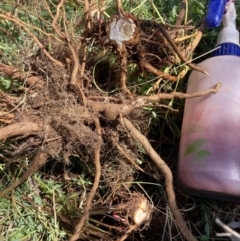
(209, 154)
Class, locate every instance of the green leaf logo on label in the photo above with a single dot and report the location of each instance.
(203, 153)
(196, 148)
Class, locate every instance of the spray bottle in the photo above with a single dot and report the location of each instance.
(209, 155)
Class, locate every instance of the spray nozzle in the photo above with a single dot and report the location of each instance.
(216, 10)
(228, 38)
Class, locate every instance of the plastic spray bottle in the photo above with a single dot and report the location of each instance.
(209, 155)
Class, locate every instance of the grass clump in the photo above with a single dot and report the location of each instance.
(24, 214)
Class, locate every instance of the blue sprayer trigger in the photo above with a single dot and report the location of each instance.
(216, 9)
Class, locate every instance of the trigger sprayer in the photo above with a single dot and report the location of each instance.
(209, 154)
(215, 13)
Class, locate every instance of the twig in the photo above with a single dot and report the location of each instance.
(180, 39)
(48, 8)
(123, 72)
(195, 43)
(87, 14)
(84, 60)
(175, 48)
(54, 22)
(157, 72)
(146, 65)
(23, 26)
(227, 229)
(75, 66)
(181, 13)
(74, 83)
(97, 163)
(75, 86)
(180, 95)
(39, 160)
(120, 8)
(18, 129)
(112, 110)
(167, 174)
(143, 100)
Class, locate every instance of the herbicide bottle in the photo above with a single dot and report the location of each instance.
(209, 155)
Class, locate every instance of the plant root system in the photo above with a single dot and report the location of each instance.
(79, 110)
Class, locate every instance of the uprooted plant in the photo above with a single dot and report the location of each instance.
(79, 101)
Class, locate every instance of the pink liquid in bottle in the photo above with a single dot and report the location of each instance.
(209, 155)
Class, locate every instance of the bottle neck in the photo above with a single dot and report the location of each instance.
(227, 49)
(228, 37)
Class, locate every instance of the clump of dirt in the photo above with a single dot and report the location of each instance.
(67, 129)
